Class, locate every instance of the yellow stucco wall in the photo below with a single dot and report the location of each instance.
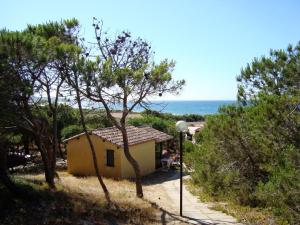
(80, 160)
(144, 153)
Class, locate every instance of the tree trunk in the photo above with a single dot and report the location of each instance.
(38, 130)
(25, 140)
(49, 174)
(4, 178)
(104, 188)
(55, 143)
(133, 162)
(60, 151)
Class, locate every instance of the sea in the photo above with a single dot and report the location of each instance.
(176, 107)
(201, 107)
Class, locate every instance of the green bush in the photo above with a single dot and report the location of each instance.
(188, 146)
(169, 116)
(252, 155)
(70, 131)
(198, 137)
(167, 126)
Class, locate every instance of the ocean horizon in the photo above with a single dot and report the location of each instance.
(176, 107)
(180, 107)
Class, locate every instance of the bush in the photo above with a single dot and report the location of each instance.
(96, 119)
(252, 155)
(167, 126)
(188, 146)
(169, 116)
(70, 131)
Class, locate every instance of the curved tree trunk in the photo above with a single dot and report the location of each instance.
(42, 139)
(95, 162)
(133, 162)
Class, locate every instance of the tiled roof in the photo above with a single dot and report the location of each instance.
(114, 135)
(158, 135)
(136, 135)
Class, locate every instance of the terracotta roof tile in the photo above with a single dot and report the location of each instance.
(158, 135)
(135, 135)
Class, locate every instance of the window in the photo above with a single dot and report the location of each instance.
(110, 158)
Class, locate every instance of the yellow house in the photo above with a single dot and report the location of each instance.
(108, 143)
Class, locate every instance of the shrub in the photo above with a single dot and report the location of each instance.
(70, 131)
(251, 155)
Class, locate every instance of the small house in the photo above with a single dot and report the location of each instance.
(144, 145)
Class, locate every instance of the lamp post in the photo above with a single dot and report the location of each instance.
(181, 127)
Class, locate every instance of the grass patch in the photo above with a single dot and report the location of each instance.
(244, 214)
(248, 215)
(76, 201)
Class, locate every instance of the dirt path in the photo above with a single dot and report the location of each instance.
(163, 189)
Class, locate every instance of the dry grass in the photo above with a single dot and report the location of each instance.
(77, 200)
(80, 200)
(118, 115)
(122, 192)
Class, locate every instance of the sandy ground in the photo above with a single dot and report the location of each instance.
(118, 115)
(163, 189)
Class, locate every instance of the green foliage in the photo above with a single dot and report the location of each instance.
(251, 155)
(276, 74)
(281, 191)
(199, 138)
(14, 91)
(169, 116)
(167, 126)
(188, 146)
(66, 115)
(96, 119)
(70, 131)
(68, 119)
(127, 68)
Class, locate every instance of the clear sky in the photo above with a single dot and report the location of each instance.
(210, 40)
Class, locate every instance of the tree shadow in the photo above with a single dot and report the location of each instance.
(159, 177)
(170, 218)
(167, 217)
(45, 206)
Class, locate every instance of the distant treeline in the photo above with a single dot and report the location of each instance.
(169, 116)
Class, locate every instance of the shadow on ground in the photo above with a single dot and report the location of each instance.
(159, 177)
(44, 206)
(167, 217)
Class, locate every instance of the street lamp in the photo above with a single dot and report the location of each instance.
(181, 127)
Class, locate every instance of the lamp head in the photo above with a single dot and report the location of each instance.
(181, 126)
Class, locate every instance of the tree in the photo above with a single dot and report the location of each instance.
(73, 78)
(56, 39)
(277, 74)
(123, 73)
(4, 177)
(10, 90)
(67, 121)
(35, 54)
(250, 152)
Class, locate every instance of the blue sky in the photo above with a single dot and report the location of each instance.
(210, 40)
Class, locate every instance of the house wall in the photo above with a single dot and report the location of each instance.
(80, 161)
(144, 153)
